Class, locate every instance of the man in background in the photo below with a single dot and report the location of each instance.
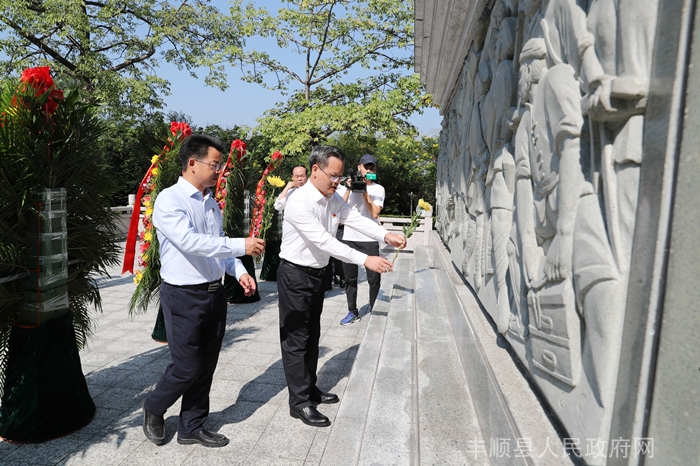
(271, 261)
(298, 180)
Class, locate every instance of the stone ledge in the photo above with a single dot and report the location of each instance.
(506, 404)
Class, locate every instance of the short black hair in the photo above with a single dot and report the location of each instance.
(320, 154)
(197, 147)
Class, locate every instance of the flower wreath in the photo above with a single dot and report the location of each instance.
(262, 210)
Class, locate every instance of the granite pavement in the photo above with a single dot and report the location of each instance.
(122, 364)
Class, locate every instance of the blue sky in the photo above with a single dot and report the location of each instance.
(242, 102)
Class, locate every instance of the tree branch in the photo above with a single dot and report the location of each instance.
(39, 44)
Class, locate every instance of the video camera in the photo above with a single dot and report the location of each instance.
(358, 184)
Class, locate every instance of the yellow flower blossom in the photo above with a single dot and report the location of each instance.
(424, 205)
(276, 181)
(154, 159)
(148, 236)
(138, 276)
(147, 204)
(155, 171)
(148, 212)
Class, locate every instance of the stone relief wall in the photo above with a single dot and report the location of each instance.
(538, 179)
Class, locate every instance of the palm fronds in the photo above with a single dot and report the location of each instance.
(40, 150)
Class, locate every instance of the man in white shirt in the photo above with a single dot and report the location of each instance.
(194, 255)
(298, 180)
(368, 203)
(311, 218)
(271, 262)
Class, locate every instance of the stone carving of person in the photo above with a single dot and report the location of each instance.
(623, 33)
(443, 189)
(559, 216)
(500, 178)
(532, 68)
(476, 189)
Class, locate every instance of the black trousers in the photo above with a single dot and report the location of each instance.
(335, 266)
(371, 248)
(195, 322)
(300, 297)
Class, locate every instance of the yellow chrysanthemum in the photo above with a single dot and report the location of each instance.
(276, 181)
(148, 236)
(138, 276)
(148, 212)
(155, 171)
(424, 205)
(146, 204)
(154, 159)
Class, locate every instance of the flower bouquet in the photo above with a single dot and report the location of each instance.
(163, 172)
(234, 165)
(410, 227)
(263, 208)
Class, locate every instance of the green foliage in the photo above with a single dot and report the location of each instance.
(111, 49)
(350, 71)
(39, 151)
(407, 167)
(128, 147)
(236, 182)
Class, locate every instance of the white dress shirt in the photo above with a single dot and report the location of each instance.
(281, 201)
(310, 223)
(193, 248)
(356, 201)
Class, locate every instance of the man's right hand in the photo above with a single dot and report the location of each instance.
(254, 246)
(378, 264)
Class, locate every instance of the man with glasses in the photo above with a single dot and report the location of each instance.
(368, 203)
(194, 255)
(308, 242)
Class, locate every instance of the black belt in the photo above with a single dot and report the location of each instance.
(318, 273)
(210, 286)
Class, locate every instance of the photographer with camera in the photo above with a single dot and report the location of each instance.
(366, 196)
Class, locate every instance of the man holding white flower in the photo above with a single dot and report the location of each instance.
(311, 219)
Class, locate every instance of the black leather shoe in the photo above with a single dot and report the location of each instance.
(324, 398)
(310, 416)
(153, 427)
(205, 439)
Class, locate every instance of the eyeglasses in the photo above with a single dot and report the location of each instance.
(214, 166)
(334, 179)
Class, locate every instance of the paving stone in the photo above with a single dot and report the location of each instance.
(249, 398)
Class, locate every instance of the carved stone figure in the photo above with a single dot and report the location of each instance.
(540, 184)
(577, 270)
(532, 68)
(623, 33)
(476, 179)
(500, 180)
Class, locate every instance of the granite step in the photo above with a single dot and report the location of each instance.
(406, 401)
(345, 441)
(449, 432)
(390, 426)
